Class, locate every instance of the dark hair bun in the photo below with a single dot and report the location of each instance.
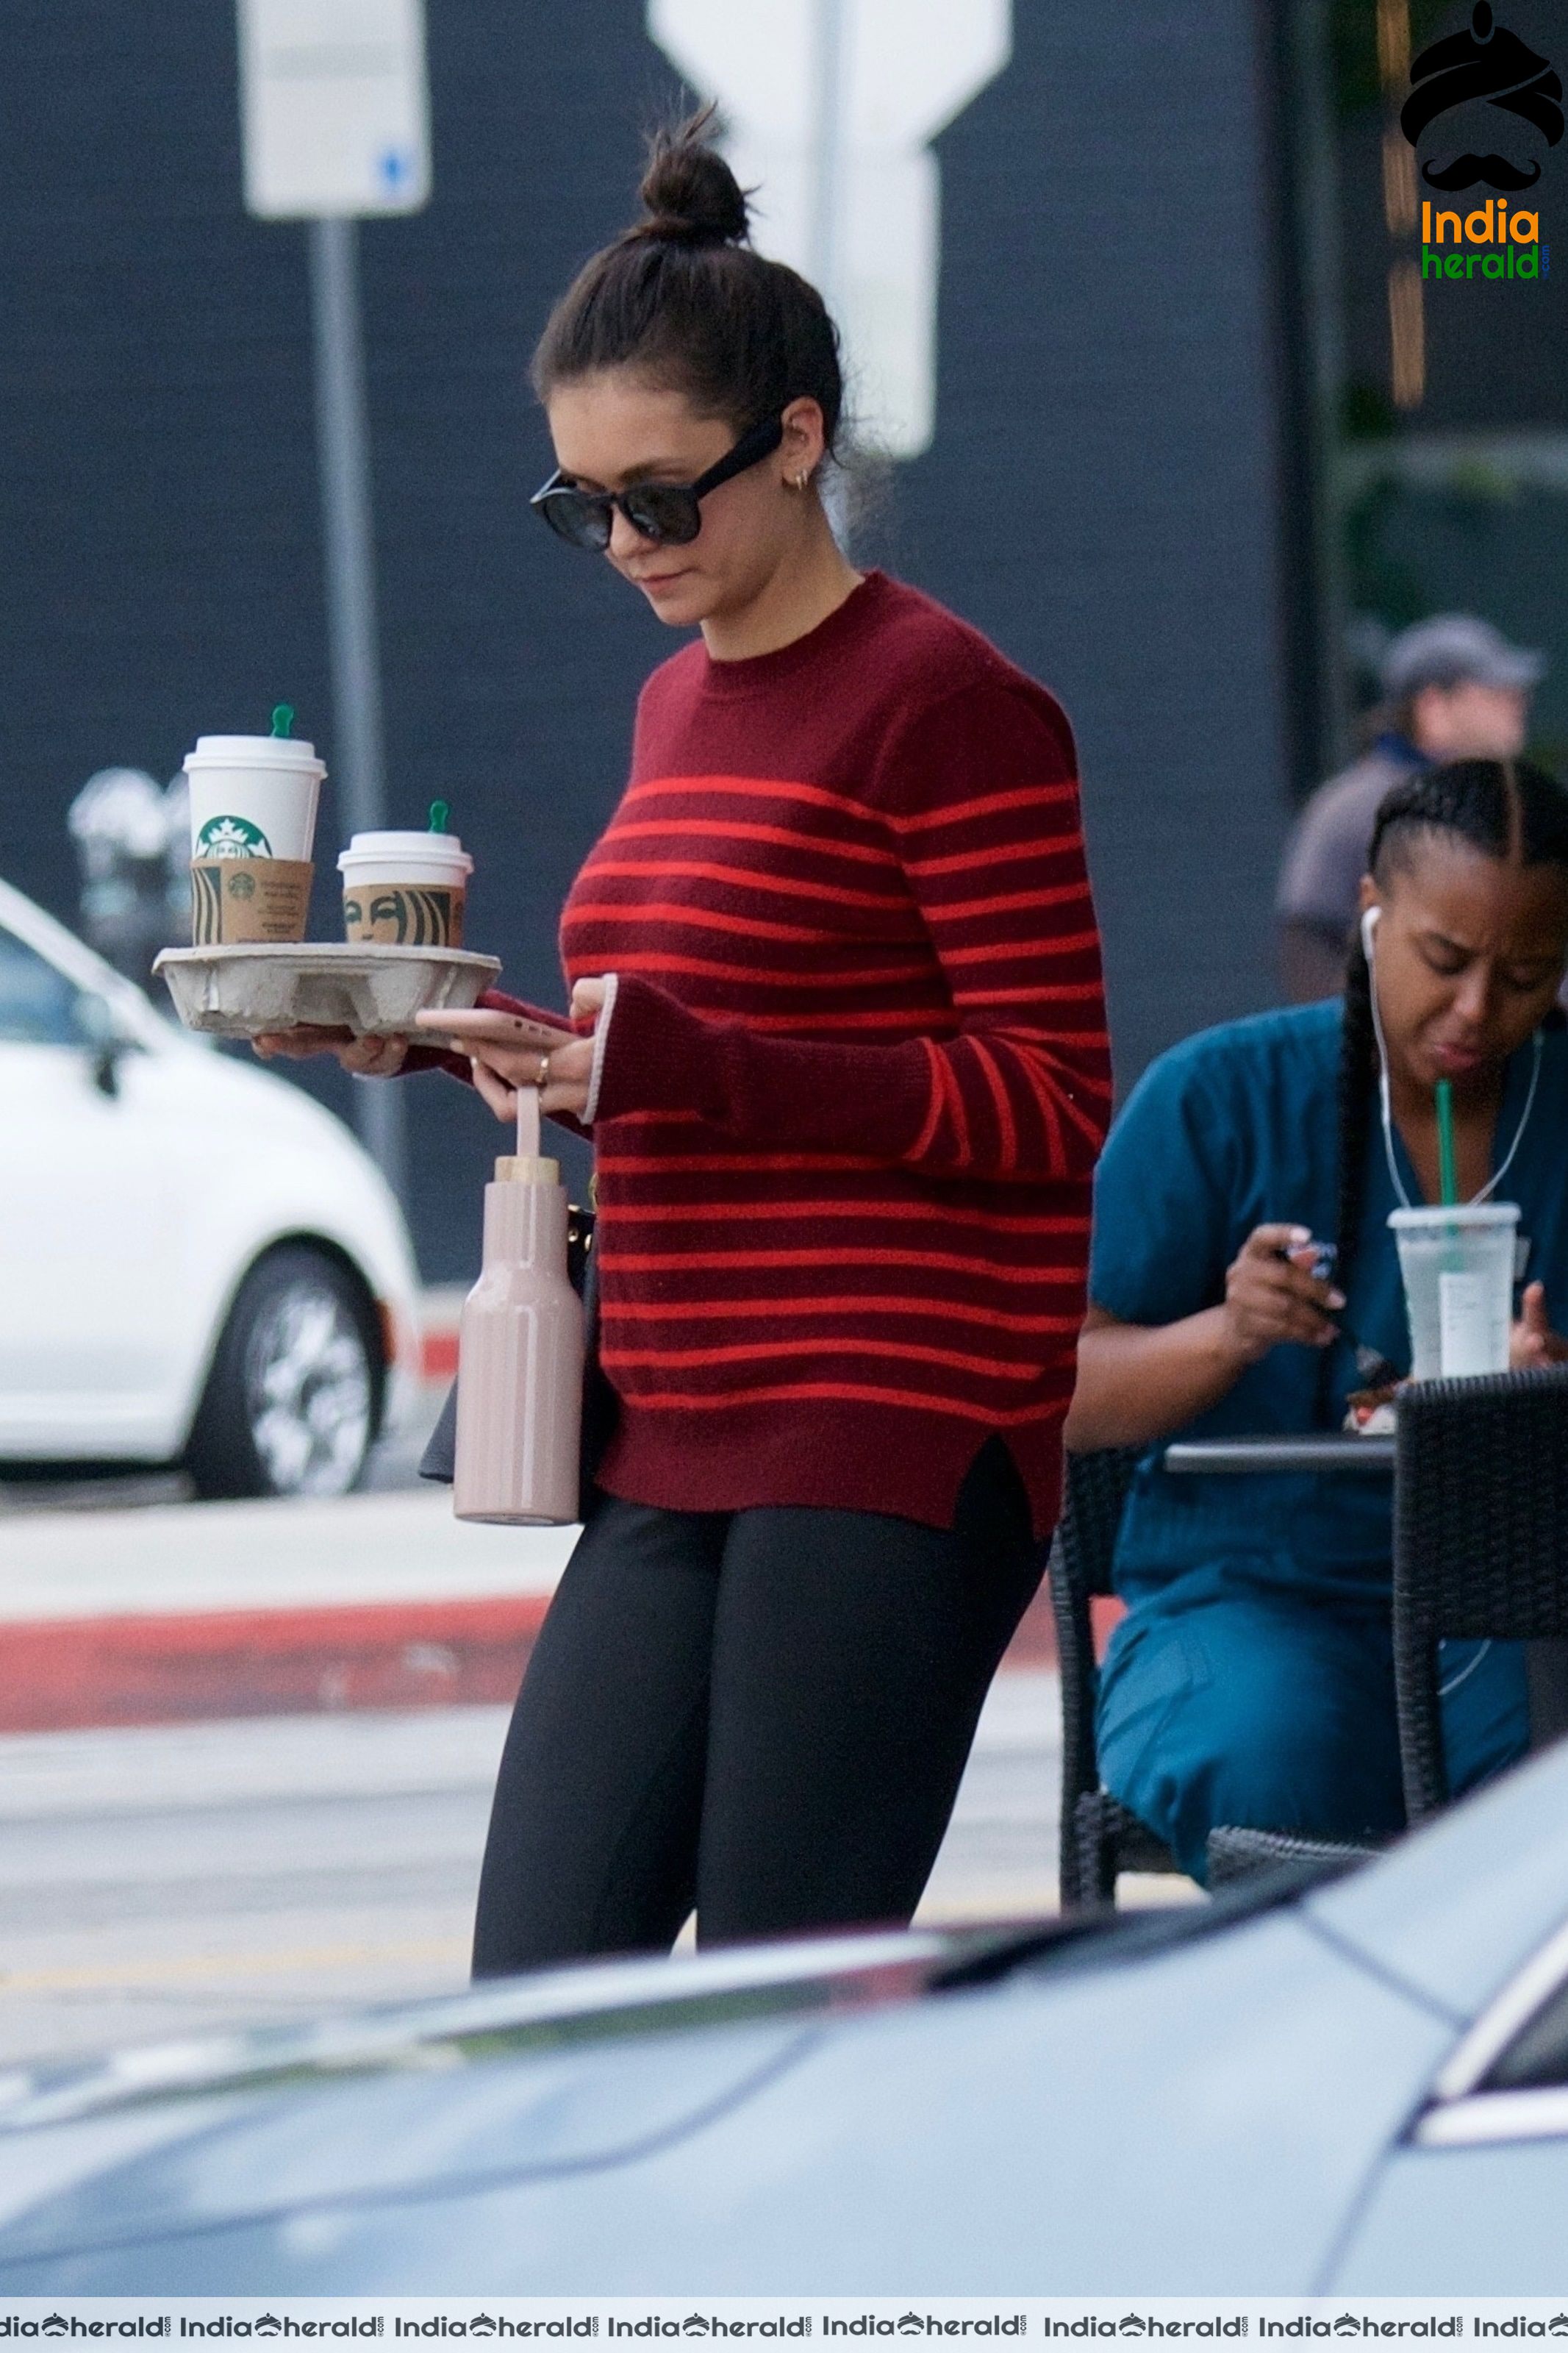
(686, 299)
(691, 195)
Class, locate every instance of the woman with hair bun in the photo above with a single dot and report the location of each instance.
(1251, 1682)
(844, 1062)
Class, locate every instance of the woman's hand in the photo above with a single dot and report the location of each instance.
(501, 1066)
(1271, 1294)
(1532, 1342)
(1139, 1382)
(367, 1058)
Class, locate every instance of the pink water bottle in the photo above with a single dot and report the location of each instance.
(520, 1350)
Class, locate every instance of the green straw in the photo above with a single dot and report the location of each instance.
(283, 718)
(1447, 1181)
(439, 815)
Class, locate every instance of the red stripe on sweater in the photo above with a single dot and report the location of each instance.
(1056, 845)
(663, 1262)
(888, 976)
(781, 1306)
(936, 1020)
(692, 1164)
(1005, 1121)
(962, 812)
(940, 1213)
(758, 789)
(821, 1344)
(703, 919)
(953, 1104)
(932, 1120)
(855, 1392)
(1059, 992)
(1036, 901)
(700, 870)
(778, 837)
(1009, 951)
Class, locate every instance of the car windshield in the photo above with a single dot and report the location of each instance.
(38, 1005)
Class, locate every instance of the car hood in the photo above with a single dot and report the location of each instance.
(1461, 1904)
(1194, 2118)
(427, 2093)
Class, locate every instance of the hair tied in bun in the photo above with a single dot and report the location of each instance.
(685, 299)
(690, 194)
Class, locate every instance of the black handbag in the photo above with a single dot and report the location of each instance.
(600, 1404)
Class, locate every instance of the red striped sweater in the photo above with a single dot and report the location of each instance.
(856, 1074)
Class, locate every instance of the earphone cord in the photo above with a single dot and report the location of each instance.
(1382, 1095)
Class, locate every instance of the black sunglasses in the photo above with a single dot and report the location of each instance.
(669, 513)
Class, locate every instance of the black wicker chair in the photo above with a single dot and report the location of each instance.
(1238, 1852)
(1480, 1548)
(1098, 1836)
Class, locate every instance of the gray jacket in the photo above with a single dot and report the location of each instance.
(1325, 856)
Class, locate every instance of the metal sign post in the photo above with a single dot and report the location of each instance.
(335, 113)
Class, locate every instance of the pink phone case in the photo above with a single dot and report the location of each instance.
(507, 1029)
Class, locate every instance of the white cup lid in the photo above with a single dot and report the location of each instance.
(1463, 1213)
(404, 844)
(256, 750)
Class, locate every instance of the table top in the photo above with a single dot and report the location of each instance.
(1328, 1450)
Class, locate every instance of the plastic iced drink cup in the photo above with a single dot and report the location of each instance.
(405, 890)
(253, 826)
(1458, 1269)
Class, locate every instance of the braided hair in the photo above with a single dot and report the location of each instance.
(1510, 810)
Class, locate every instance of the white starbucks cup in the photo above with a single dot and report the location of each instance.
(252, 796)
(1458, 1269)
(405, 890)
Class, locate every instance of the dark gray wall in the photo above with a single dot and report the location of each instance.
(1100, 496)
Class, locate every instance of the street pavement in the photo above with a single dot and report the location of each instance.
(168, 1877)
(167, 1880)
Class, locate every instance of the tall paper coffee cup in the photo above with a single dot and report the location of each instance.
(252, 796)
(253, 826)
(405, 890)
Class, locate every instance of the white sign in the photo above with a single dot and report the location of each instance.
(334, 108)
(831, 106)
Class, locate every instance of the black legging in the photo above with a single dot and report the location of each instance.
(764, 1713)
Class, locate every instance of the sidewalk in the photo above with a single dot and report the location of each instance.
(190, 1612)
(182, 1613)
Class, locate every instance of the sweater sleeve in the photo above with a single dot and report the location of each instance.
(980, 798)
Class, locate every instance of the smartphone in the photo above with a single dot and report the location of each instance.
(1324, 1256)
(489, 1025)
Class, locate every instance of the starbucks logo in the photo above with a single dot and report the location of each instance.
(231, 837)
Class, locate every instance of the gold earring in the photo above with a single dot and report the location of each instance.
(799, 481)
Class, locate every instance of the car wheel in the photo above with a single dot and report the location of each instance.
(293, 1401)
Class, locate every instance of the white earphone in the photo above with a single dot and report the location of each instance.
(1369, 925)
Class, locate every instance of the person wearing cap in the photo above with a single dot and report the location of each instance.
(1454, 688)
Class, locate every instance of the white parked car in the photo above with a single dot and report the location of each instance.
(198, 1264)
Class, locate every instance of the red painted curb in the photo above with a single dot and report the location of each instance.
(64, 1674)
(67, 1674)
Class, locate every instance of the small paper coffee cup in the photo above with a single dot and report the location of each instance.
(235, 901)
(405, 890)
(254, 797)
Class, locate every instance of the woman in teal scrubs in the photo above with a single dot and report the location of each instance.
(1251, 1680)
